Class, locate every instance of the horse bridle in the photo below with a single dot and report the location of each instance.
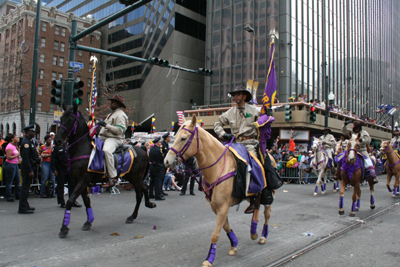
(316, 151)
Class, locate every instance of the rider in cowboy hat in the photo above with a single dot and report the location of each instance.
(328, 141)
(395, 142)
(365, 140)
(113, 135)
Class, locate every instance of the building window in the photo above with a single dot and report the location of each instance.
(42, 42)
(91, 39)
(60, 75)
(14, 28)
(53, 76)
(38, 106)
(62, 47)
(61, 62)
(54, 60)
(40, 90)
(7, 33)
(41, 74)
(78, 78)
(41, 59)
(79, 53)
(0, 37)
(56, 45)
(90, 68)
(57, 30)
(44, 26)
(63, 31)
(51, 107)
(89, 82)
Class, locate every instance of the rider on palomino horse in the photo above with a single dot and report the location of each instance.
(241, 119)
(329, 142)
(395, 142)
(365, 140)
(113, 134)
(343, 142)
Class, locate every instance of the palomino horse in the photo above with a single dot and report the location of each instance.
(73, 127)
(392, 167)
(351, 173)
(319, 163)
(217, 165)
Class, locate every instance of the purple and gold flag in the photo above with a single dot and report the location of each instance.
(263, 124)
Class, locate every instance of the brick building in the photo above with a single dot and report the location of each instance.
(17, 29)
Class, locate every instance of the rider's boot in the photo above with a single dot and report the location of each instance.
(370, 174)
(111, 182)
(251, 207)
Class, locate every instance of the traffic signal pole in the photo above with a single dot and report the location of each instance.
(72, 53)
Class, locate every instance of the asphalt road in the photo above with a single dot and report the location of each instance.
(183, 231)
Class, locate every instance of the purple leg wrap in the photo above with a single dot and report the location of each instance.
(337, 185)
(372, 200)
(341, 202)
(358, 203)
(253, 229)
(90, 216)
(322, 188)
(265, 231)
(353, 207)
(316, 189)
(389, 189)
(232, 237)
(67, 217)
(395, 191)
(398, 188)
(211, 253)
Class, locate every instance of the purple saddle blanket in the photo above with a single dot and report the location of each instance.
(123, 158)
(258, 180)
(330, 162)
(350, 169)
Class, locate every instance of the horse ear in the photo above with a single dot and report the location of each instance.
(194, 120)
(359, 135)
(350, 134)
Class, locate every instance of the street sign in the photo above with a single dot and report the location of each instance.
(75, 70)
(73, 64)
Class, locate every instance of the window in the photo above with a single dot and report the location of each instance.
(60, 75)
(63, 31)
(42, 42)
(89, 82)
(78, 78)
(0, 37)
(57, 30)
(51, 107)
(41, 74)
(79, 53)
(61, 62)
(14, 28)
(62, 47)
(90, 68)
(91, 39)
(41, 59)
(7, 33)
(44, 26)
(40, 90)
(56, 45)
(54, 60)
(88, 97)
(38, 106)
(53, 76)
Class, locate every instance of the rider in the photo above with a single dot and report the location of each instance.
(364, 139)
(344, 141)
(395, 142)
(328, 141)
(113, 134)
(241, 120)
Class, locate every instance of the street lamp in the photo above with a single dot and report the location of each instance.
(249, 29)
(331, 98)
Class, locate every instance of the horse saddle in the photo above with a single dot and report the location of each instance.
(123, 158)
(330, 161)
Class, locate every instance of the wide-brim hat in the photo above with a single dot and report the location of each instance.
(327, 129)
(346, 136)
(118, 98)
(358, 124)
(242, 89)
(396, 131)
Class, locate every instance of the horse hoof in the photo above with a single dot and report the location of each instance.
(352, 214)
(232, 251)
(206, 264)
(129, 220)
(151, 205)
(315, 194)
(262, 240)
(372, 207)
(323, 193)
(356, 209)
(86, 226)
(394, 196)
(334, 191)
(63, 232)
(254, 236)
(341, 212)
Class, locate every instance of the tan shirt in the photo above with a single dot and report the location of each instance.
(394, 139)
(366, 139)
(328, 141)
(117, 122)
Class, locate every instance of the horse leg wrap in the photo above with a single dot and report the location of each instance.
(253, 229)
(358, 203)
(211, 253)
(340, 202)
(232, 237)
(389, 189)
(395, 191)
(67, 217)
(353, 207)
(337, 185)
(90, 216)
(316, 189)
(265, 231)
(322, 188)
(372, 200)
(398, 189)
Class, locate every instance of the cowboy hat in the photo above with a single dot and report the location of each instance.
(358, 124)
(118, 98)
(242, 89)
(327, 129)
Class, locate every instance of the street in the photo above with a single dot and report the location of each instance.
(184, 225)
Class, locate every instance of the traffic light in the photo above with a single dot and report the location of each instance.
(128, 2)
(77, 93)
(159, 62)
(205, 71)
(288, 113)
(313, 115)
(56, 92)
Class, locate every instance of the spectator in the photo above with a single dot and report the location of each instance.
(305, 98)
(10, 166)
(292, 144)
(52, 135)
(47, 175)
(293, 97)
(300, 98)
(304, 162)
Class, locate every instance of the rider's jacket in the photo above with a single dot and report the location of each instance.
(366, 139)
(395, 143)
(328, 141)
(117, 122)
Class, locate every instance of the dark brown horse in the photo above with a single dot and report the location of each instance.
(74, 129)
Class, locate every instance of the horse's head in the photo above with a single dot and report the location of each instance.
(386, 147)
(185, 145)
(316, 144)
(338, 148)
(352, 148)
(69, 124)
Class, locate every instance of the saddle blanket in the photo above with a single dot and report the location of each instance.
(122, 161)
(350, 169)
(329, 165)
(257, 180)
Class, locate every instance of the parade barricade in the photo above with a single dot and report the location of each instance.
(294, 173)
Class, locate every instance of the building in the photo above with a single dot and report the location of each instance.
(16, 41)
(354, 43)
(172, 30)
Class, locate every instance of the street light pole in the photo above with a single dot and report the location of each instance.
(251, 30)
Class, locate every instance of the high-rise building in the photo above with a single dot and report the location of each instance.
(350, 47)
(17, 29)
(172, 30)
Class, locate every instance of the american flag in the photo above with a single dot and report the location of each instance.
(180, 117)
(93, 96)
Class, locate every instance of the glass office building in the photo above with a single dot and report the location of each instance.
(350, 47)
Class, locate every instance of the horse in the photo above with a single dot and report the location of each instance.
(217, 165)
(392, 167)
(74, 129)
(351, 173)
(319, 164)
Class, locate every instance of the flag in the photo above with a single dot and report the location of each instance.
(133, 126)
(173, 126)
(153, 129)
(180, 117)
(201, 122)
(93, 95)
(263, 124)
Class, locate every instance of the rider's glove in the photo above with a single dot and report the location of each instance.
(228, 137)
(102, 123)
